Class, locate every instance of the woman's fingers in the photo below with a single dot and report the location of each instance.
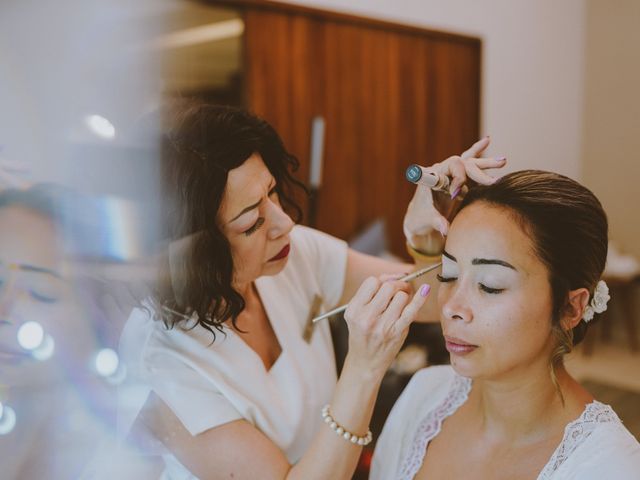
(458, 176)
(490, 162)
(364, 295)
(380, 302)
(410, 311)
(396, 306)
(375, 294)
(479, 175)
(477, 148)
(429, 219)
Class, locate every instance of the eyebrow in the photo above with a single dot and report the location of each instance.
(248, 209)
(492, 261)
(483, 261)
(449, 256)
(255, 205)
(33, 268)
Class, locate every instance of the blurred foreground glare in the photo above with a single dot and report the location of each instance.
(78, 227)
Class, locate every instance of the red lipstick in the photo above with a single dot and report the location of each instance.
(282, 253)
(457, 346)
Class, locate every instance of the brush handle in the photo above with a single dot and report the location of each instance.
(407, 278)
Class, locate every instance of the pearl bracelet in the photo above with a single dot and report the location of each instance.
(340, 430)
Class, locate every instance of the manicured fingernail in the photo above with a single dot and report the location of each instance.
(455, 193)
(502, 159)
(425, 289)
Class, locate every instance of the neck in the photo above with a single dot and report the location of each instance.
(522, 404)
(253, 304)
(245, 289)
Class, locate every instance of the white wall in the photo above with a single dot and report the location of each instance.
(612, 111)
(533, 66)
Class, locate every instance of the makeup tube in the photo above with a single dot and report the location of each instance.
(429, 178)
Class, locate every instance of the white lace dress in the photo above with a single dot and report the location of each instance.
(594, 446)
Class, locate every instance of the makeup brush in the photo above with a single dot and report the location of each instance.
(407, 278)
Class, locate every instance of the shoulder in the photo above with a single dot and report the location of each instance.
(135, 334)
(431, 381)
(318, 263)
(145, 341)
(312, 239)
(439, 374)
(427, 389)
(609, 451)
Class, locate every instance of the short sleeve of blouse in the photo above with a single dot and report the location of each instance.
(327, 256)
(158, 362)
(190, 397)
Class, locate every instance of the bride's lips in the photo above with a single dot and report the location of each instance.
(282, 253)
(457, 346)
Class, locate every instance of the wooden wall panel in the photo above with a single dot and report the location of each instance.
(280, 60)
(390, 97)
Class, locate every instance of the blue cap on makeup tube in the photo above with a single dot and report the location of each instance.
(417, 174)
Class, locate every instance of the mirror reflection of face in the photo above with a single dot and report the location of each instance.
(495, 296)
(252, 219)
(33, 288)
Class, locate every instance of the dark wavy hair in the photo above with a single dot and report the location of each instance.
(200, 144)
(568, 228)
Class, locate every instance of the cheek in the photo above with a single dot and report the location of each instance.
(442, 296)
(444, 293)
(516, 329)
(249, 252)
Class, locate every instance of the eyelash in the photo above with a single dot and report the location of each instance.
(442, 279)
(254, 227)
(42, 298)
(260, 220)
(484, 288)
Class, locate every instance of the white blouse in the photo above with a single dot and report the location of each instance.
(594, 446)
(209, 384)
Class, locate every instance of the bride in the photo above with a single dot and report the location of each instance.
(519, 287)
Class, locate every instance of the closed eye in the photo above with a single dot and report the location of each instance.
(40, 297)
(254, 227)
(260, 220)
(443, 279)
(484, 288)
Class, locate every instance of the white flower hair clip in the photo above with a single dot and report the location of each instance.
(598, 303)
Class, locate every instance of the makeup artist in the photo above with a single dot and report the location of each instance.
(241, 381)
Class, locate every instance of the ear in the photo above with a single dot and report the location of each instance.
(576, 303)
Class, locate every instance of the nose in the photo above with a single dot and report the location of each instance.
(455, 303)
(279, 222)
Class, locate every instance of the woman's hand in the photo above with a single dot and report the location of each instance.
(378, 317)
(427, 214)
